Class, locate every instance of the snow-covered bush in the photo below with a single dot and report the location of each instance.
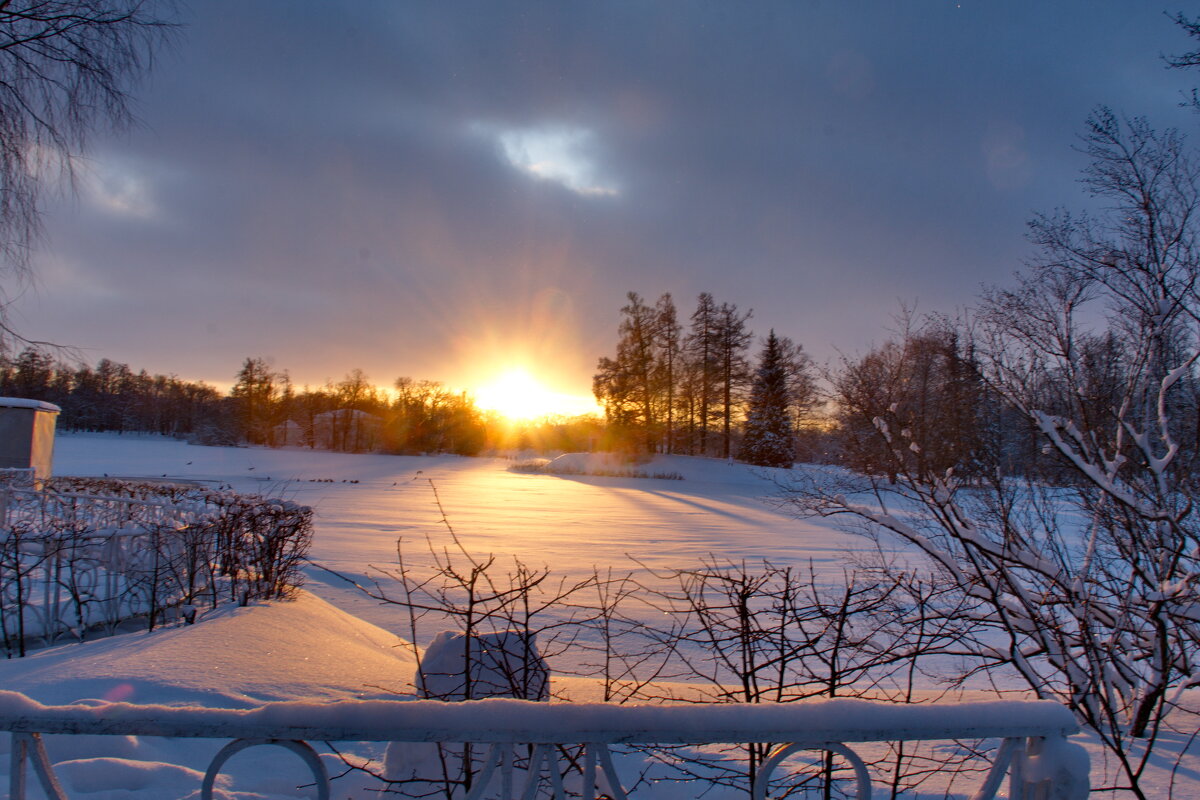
(94, 554)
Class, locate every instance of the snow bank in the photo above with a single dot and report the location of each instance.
(234, 658)
(583, 463)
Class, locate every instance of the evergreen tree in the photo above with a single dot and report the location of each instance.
(768, 441)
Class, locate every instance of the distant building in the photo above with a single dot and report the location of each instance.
(289, 434)
(27, 435)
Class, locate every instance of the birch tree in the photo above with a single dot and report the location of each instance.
(66, 67)
(1081, 580)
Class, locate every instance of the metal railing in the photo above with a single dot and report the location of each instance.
(35, 508)
(1034, 753)
(75, 563)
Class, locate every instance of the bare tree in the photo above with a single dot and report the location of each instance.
(803, 394)
(703, 367)
(1080, 581)
(732, 341)
(66, 67)
(922, 383)
(741, 633)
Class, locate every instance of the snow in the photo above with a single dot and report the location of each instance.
(333, 643)
(36, 405)
(236, 658)
(232, 658)
(573, 523)
(525, 721)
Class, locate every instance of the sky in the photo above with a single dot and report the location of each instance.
(445, 190)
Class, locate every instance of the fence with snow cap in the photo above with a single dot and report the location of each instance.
(1034, 753)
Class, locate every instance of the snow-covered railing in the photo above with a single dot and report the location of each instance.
(1034, 752)
(37, 508)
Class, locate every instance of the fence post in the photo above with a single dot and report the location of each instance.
(29, 746)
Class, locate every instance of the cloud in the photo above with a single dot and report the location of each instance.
(561, 154)
(809, 161)
(120, 187)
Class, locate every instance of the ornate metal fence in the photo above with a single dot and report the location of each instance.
(71, 563)
(1033, 754)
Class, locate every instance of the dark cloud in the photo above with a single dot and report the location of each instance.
(330, 186)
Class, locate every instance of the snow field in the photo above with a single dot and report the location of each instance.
(334, 642)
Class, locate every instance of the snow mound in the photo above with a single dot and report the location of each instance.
(120, 778)
(606, 465)
(587, 462)
(235, 658)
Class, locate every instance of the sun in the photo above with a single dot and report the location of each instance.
(518, 395)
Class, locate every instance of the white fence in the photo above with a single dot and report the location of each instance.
(1034, 754)
(71, 563)
(32, 508)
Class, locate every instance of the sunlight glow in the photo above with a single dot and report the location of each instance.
(518, 395)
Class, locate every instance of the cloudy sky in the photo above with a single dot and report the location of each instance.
(441, 189)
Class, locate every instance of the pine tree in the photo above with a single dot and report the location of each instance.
(768, 441)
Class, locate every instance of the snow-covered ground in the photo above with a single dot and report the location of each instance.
(334, 642)
(571, 524)
(236, 658)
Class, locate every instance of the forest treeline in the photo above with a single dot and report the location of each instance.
(687, 388)
(700, 385)
(264, 407)
(703, 385)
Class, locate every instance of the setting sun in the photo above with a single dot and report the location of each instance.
(518, 395)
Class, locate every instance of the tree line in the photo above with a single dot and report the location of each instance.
(263, 407)
(685, 390)
(354, 415)
(110, 396)
(698, 391)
